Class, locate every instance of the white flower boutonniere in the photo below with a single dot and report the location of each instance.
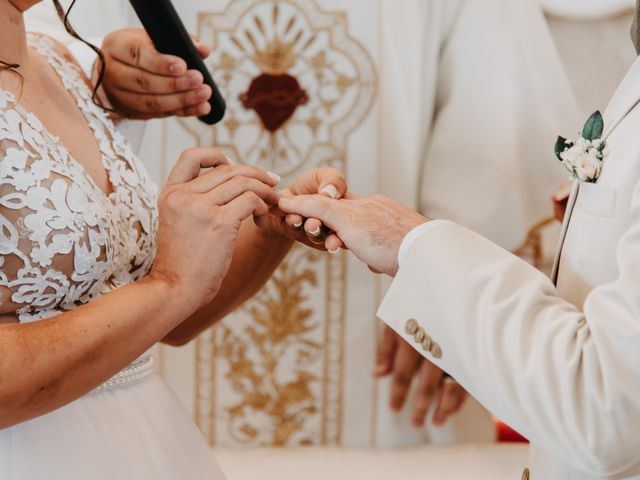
(585, 157)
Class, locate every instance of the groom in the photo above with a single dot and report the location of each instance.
(558, 359)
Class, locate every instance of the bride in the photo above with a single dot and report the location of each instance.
(95, 268)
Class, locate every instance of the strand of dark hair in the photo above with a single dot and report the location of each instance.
(13, 68)
(64, 17)
(8, 66)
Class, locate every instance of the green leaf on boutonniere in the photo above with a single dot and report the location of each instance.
(593, 128)
(561, 146)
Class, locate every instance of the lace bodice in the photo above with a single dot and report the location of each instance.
(63, 241)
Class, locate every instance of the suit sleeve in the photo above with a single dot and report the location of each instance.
(568, 380)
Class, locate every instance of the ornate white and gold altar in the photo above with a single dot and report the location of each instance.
(387, 91)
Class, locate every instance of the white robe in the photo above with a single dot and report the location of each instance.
(494, 96)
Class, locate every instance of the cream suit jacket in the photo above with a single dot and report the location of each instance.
(560, 364)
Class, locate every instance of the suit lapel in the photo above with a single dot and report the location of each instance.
(571, 203)
(624, 100)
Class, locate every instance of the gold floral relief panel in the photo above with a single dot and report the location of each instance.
(297, 84)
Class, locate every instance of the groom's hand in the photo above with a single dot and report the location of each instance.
(373, 228)
(142, 83)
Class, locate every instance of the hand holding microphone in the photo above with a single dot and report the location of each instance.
(160, 72)
(142, 83)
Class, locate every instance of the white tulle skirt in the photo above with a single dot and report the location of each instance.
(137, 432)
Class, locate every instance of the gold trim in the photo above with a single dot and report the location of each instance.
(205, 405)
(333, 398)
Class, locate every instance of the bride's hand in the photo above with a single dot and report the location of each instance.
(142, 83)
(200, 215)
(324, 181)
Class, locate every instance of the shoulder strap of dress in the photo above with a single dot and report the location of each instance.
(73, 79)
(43, 44)
(67, 70)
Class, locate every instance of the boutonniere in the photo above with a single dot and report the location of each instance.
(584, 157)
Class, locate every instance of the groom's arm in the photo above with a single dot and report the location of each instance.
(566, 379)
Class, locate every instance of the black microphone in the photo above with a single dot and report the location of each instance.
(169, 36)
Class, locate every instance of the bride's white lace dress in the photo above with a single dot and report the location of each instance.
(63, 243)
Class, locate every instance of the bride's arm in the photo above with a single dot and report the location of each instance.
(47, 364)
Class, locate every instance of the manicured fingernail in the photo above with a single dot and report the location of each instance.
(275, 177)
(330, 190)
(297, 225)
(316, 232)
(337, 250)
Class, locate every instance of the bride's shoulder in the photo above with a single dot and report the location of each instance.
(57, 52)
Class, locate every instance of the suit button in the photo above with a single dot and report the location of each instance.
(436, 351)
(525, 474)
(419, 335)
(411, 327)
(427, 343)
